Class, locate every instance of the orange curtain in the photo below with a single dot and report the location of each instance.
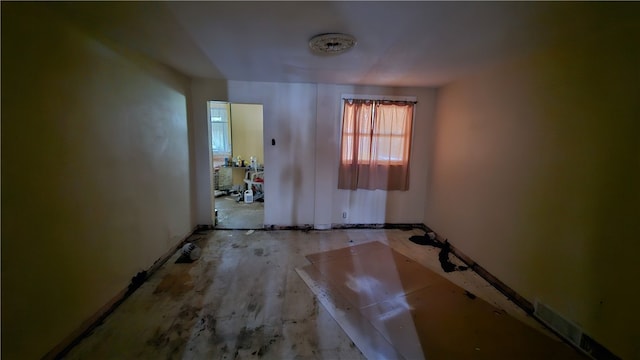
(376, 143)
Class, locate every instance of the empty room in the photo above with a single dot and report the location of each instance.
(417, 180)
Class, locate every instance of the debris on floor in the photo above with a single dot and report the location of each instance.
(445, 248)
(426, 239)
(189, 253)
(445, 262)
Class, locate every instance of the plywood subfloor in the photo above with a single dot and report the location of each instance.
(393, 307)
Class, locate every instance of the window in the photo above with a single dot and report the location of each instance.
(220, 132)
(376, 143)
(220, 137)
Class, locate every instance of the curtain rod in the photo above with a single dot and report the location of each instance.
(390, 100)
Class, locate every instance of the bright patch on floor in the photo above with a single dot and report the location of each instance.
(393, 307)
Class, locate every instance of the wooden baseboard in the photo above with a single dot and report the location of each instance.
(87, 326)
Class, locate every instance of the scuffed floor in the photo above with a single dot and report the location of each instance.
(239, 215)
(243, 299)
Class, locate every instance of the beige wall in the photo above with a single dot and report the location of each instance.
(95, 166)
(246, 136)
(536, 175)
(246, 131)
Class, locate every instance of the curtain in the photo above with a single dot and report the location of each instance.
(376, 144)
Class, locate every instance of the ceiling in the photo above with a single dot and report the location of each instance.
(399, 43)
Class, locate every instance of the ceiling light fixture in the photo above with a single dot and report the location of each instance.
(331, 44)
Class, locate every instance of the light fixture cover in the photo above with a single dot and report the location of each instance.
(332, 44)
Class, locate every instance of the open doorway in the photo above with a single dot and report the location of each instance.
(237, 165)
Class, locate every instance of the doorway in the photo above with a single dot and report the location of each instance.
(237, 165)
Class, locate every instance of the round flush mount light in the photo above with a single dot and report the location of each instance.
(331, 44)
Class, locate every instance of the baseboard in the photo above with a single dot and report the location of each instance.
(305, 227)
(308, 227)
(87, 326)
(379, 226)
(357, 226)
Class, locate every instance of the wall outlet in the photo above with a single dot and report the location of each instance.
(344, 214)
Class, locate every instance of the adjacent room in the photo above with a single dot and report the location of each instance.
(333, 180)
(237, 179)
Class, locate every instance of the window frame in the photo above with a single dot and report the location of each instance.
(346, 97)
